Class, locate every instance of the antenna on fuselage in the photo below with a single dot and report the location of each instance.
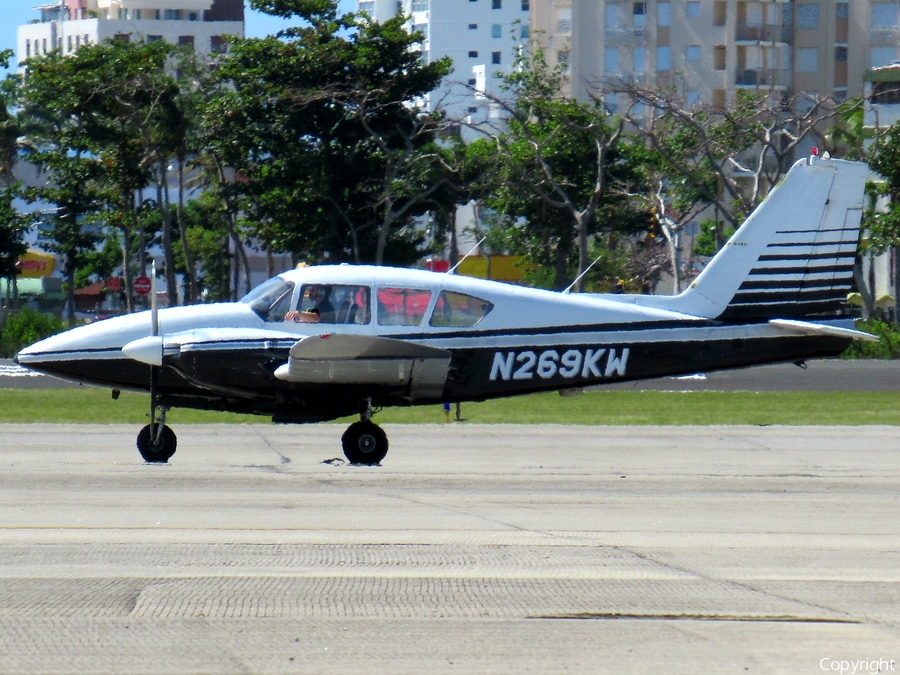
(587, 269)
(154, 301)
(471, 251)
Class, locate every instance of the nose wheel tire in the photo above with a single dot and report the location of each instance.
(364, 443)
(156, 450)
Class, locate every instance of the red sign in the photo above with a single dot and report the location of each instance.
(142, 285)
(114, 283)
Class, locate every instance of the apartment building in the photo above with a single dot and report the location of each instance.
(714, 48)
(68, 24)
(480, 36)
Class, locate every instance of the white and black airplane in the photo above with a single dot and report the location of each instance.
(323, 342)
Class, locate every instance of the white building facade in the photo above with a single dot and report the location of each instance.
(479, 36)
(67, 25)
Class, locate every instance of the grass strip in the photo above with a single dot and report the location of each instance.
(94, 406)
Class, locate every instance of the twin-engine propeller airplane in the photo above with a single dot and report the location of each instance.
(323, 342)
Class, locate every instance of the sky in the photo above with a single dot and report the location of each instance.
(14, 13)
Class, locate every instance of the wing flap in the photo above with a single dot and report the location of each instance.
(809, 328)
(361, 359)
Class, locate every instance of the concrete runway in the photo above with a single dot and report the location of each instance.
(475, 549)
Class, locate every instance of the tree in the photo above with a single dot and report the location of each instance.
(323, 126)
(12, 224)
(559, 157)
(732, 156)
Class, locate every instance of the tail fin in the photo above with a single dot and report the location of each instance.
(794, 255)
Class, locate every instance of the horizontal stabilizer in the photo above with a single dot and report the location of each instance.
(364, 360)
(808, 328)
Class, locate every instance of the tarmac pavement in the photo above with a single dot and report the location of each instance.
(474, 549)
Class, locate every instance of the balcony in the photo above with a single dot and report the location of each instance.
(763, 77)
(771, 33)
(625, 37)
(883, 36)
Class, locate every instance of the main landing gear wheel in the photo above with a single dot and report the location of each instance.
(364, 442)
(159, 447)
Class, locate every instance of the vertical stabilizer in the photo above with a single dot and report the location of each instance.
(793, 257)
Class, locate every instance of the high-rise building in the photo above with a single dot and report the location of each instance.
(714, 48)
(66, 25)
(480, 36)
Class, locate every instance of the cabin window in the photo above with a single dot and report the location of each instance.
(335, 303)
(402, 306)
(459, 310)
(271, 300)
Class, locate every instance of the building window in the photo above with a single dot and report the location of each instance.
(473, 54)
(496, 4)
(172, 14)
(663, 58)
(420, 5)
(217, 44)
(564, 21)
(563, 57)
(840, 53)
(692, 9)
(471, 110)
(27, 48)
(639, 59)
(192, 16)
(692, 53)
(472, 81)
(720, 12)
(639, 16)
(883, 56)
(692, 98)
(525, 31)
(421, 28)
(495, 57)
(719, 55)
(497, 30)
(884, 14)
(473, 26)
(842, 10)
(154, 38)
(807, 59)
(808, 15)
(367, 7)
(137, 14)
(664, 14)
(611, 59)
(186, 41)
(526, 5)
(612, 15)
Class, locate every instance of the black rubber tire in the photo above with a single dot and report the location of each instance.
(364, 443)
(160, 452)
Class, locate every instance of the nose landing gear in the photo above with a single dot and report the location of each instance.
(156, 442)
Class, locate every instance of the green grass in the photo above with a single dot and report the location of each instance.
(94, 406)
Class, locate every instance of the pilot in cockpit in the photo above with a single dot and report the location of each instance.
(316, 302)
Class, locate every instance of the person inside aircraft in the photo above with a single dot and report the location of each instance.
(314, 296)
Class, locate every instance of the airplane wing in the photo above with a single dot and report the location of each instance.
(362, 359)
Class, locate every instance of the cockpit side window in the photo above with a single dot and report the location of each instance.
(402, 306)
(336, 303)
(459, 310)
(271, 300)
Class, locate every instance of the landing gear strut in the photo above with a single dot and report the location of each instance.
(365, 442)
(156, 442)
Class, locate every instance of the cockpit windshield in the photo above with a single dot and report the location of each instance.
(271, 300)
